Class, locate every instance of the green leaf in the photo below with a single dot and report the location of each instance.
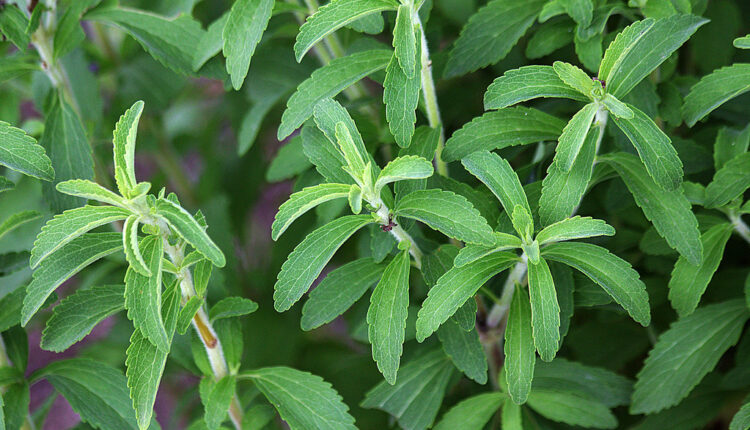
(130, 245)
(526, 83)
(490, 33)
(573, 228)
(545, 311)
(401, 96)
(20, 152)
(403, 168)
(328, 114)
(523, 223)
(689, 282)
(304, 400)
(742, 42)
(520, 353)
(685, 353)
(13, 24)
(457, 286)
(641, 48)
(328, 81)
(416, 398)
(126, 131)
(729, 144)
(610, 272)
(511, 418)
(472, 413)
(211, 42)
(574, 77)
(90, 191)
(333, 16)
(581, 11)
(188, 228)
(95, 391)
(309, 258)
(245, 25)
(230, 307)
(143, 294)
(470, 252)
(669, 211)
(741, 419)
(406, 47)
(573, 137)
(302, 201)
(616, 107)
(730, 182)
(562, 191)
(603, 385)
(69, 34)
(69, 225)
(219, 400)
(79, 313)
(572, 409)
(464, 349)
(16, 220)
(654, 148)
(497, 174)
(386, 316)
(448, 213)
(171, 42)
(187, 313)
(496, 130)
(289, 162)
(145, 362)
(354, 159)
(64, 263)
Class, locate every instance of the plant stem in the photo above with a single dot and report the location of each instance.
(399, 233)
(516, 275)
(430, 98)
(740, 227)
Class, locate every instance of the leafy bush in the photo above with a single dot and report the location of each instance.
(538, 226)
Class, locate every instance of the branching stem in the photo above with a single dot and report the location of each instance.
(384, 214)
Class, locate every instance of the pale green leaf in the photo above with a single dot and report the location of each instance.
(577, 227)
(497, 174)
(574, 77)
(333, 16)
(403, 168)
(511, 417)
(244, 27)
(16, 220)
(472, 413)
(742, 42)
(64, 263)
(19, 151)
(91, 191)
(302, 201)
(126, 131)
(610, 272)
(457, 286)
(603, 385)
(730, 182)
(688, 282)
(526, 83)
(573, 136)
(328, 81)
(309, 258)
(472, 252)
(406, 48)
(401, 97)
(304, 401)
(188, 228)
(230, 307)
(496, 130)
(685, 353)
(545, 311)
(448, 213)
(187, 313)
(79, 313)
(520, 352)
(616, 107)
(464, 349)
(130, 245)
(669, 211)
(572, 409)
(143, 294)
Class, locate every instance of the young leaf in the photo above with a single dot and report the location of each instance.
(304, 400)
(79, 313)
(523, 223)
(654, 148)
(219, 400)
(130, 245)
(472, 413)
(685, 353)
(338, 291)
(641, 48)
(488, 36)
(401, 96)
(333, 16)
(455, 287)
(143, 294)
(354, 160)
(573, 136)
(464, 349)
(520, 353)
(688, 282)
(125, 134)
(386, 317)
(580, 10)
(526, 83)
(189, 229)
(497, 174)
(574, 77)
(328, 81)
(20, 152)
(610, 272)
(545, 311)
(187, 313)
(415, 399)
(730, 182)
(405, 45)
(91, 191)
(616, 107)
(244, 27)
(302, 201)
(669, 211)
(448, 213)
(572, 409)
(471, 252)
(403, 168)
(574, 228)
(230, 307)
(64, 263)
(496, 130)
(307, 260)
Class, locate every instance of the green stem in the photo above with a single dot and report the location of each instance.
(740, 227)
(499, 310)
(384, 214)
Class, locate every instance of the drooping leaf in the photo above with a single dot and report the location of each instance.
(730, 182)
(245, 25)
(189, 229)
(472, 413)
(464, 349)
(526, 83)
(20, 152)
(230, 307)
(603, 385)
(219, 400)
(520, 352)
(302, 201)
(572, 409)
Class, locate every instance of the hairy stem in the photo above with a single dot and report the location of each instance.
(740, 227)
(399, 233)
(499, 310)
